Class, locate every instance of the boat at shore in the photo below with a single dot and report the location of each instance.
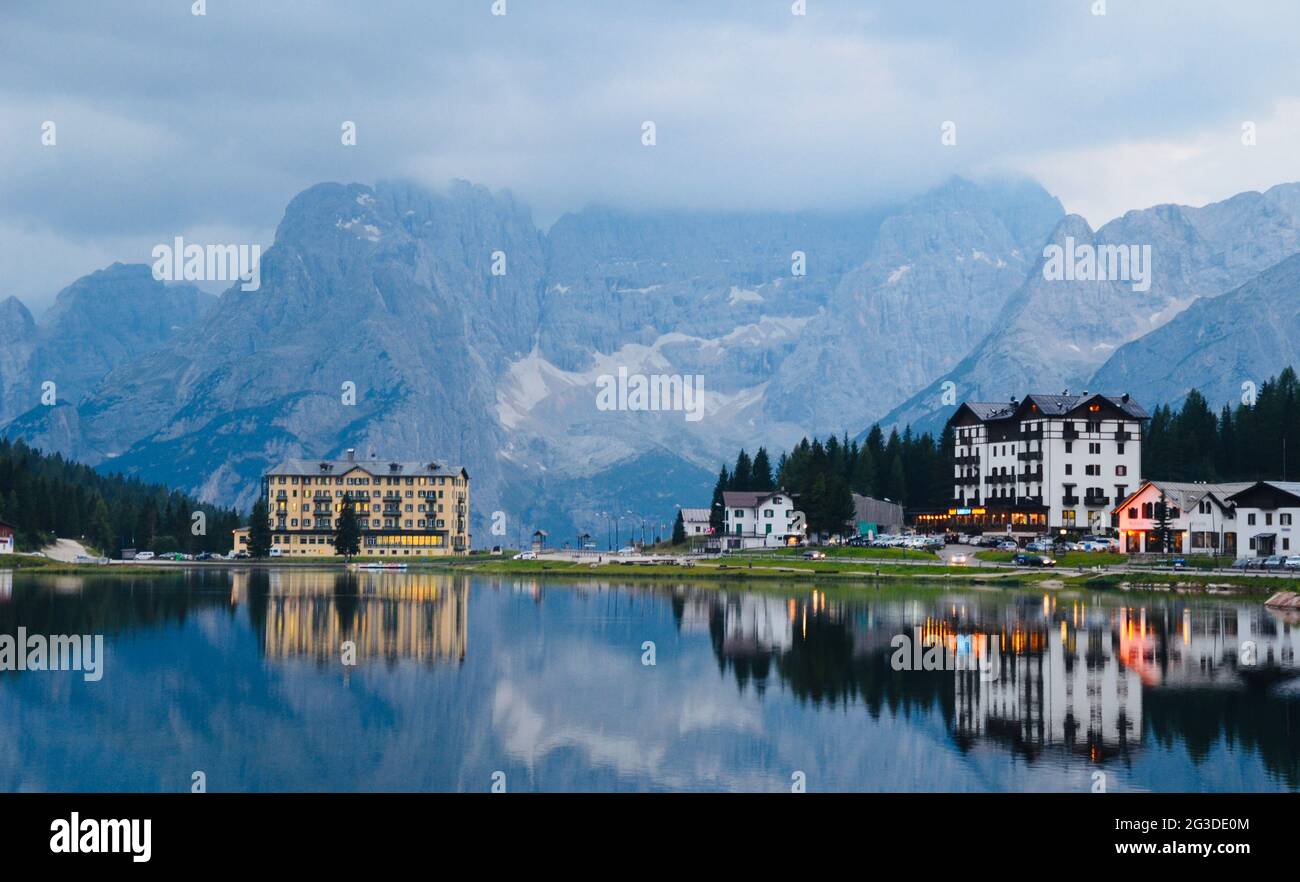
(378, 566)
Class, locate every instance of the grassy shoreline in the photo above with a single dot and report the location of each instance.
(845, 569)
(831, 570)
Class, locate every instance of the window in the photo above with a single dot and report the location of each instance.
(1092, 469)
(738, 513)
(1094, 448)
(1133, 512)
(1069, 447)
(1121, 471)
(1069, 469)
(1268, 518)
(1284, 519)
(767, 512)
(1250, 519)
(1119, 448)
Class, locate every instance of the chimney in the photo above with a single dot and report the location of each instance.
(352, 454)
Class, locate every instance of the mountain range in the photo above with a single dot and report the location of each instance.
(411, 323)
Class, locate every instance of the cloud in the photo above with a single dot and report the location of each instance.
(170, 122)
(1101, 183)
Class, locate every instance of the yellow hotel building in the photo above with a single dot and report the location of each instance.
(404, 508)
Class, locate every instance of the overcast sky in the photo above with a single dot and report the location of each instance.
(174, 124)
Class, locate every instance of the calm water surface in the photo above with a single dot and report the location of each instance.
(239, 674)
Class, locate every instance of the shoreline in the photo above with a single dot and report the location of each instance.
(845, 571)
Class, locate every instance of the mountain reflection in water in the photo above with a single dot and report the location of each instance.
(1159, 690)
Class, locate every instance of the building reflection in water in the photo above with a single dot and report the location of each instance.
(308, 614)
(1069, 674)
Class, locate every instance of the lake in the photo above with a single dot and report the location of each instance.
(457, 683)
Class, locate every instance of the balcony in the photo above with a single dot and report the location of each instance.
(1030, 456)
(1096, 501)
(967, 460)
(1070, 434)
(1029, 500)
(1036, 475)
(1123, 436)
(1069, 501)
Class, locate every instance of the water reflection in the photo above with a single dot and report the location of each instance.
(388, 616)
(1167, 693)
(1068, 675)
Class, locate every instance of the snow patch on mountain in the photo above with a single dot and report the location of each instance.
(898, 274)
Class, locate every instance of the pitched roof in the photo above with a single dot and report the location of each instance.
(1186, 494)
(696, 514)
(373, 467)
(748, 498)
(1289, 487)
(1052, 405)
(1060, 405)
(989, 410)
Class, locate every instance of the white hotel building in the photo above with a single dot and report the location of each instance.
(1059, 462)
(766, 519)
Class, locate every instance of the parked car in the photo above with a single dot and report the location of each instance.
(525, 555)
(1033, 560)
(276, 551)
(144, 555)
(240, 555)
(1008, 545)
(1039, 545)
(1276, 562)
(1293, 562)
(203, 555)
(1243, 563)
